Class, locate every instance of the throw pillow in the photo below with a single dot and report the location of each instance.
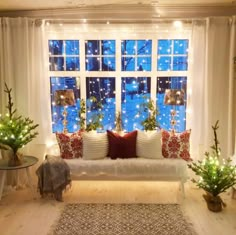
(95, 145)
(70, 145)
(176, 145)
(122, 146)
(149, 144)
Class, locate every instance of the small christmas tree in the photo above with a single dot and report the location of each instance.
(150, 123)
(214, 177)
(15, 131)
(96, 119)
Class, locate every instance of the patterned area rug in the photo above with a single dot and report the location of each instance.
(122, 219)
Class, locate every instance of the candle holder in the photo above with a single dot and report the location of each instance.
(64, 98)
(174, 97)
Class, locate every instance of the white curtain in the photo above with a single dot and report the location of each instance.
(211, 84)
(22, 67)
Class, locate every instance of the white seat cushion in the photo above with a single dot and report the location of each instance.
(133, 168)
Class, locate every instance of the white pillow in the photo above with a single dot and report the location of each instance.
(149, 144)
(95, 145)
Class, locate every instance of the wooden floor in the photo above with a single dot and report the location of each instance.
(20, 214)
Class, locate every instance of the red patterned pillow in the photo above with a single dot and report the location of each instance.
(122, 146)
(70, 145)
(176, 145)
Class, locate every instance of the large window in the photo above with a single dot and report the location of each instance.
(118, 74)
(172, 55)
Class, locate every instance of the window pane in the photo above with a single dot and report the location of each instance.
(108, 64)
(65, 62)
(128, 47)
(56, 63)
(144, 47)
(93, 64)
(135, 92)
(181, 47)
(164, 47)
(128, 64)
(164, 63)
(164, 118)
(144, 64)
(103, 89)
(72, 63)
(180, 63)
(55, 47)
(92, 47)
(108, 47)
(72, 47)
(103, 61)
(139, 49)
(65, 83)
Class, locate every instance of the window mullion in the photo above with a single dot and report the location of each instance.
(82, 70)
(118, 75)
(154, 69)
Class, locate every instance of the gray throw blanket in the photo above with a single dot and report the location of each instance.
(53, 176)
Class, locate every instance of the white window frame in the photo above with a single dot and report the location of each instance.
(117, 32)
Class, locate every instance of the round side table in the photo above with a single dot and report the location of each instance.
(28, 161)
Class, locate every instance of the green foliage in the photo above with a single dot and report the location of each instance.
(215, 177)
(150, 123)
(96, 121)
(15, 131)
(81, 114)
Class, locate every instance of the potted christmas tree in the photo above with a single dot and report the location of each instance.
(96, 119)
(150, 123)
(215, 176)
(15, 131)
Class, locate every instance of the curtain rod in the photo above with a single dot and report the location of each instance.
(128, 20)
(117, 21)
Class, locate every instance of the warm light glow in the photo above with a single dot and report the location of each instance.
(178, 24)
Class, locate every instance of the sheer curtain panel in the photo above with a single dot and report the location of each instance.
(213, 44)
(22, 67)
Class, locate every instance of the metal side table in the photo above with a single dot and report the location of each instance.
(28, 161)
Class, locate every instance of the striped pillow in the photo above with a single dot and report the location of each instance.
(95, 145)
(149, 144)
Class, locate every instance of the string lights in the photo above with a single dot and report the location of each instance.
(136, 56)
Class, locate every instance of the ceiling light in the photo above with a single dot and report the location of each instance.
(178, 24)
